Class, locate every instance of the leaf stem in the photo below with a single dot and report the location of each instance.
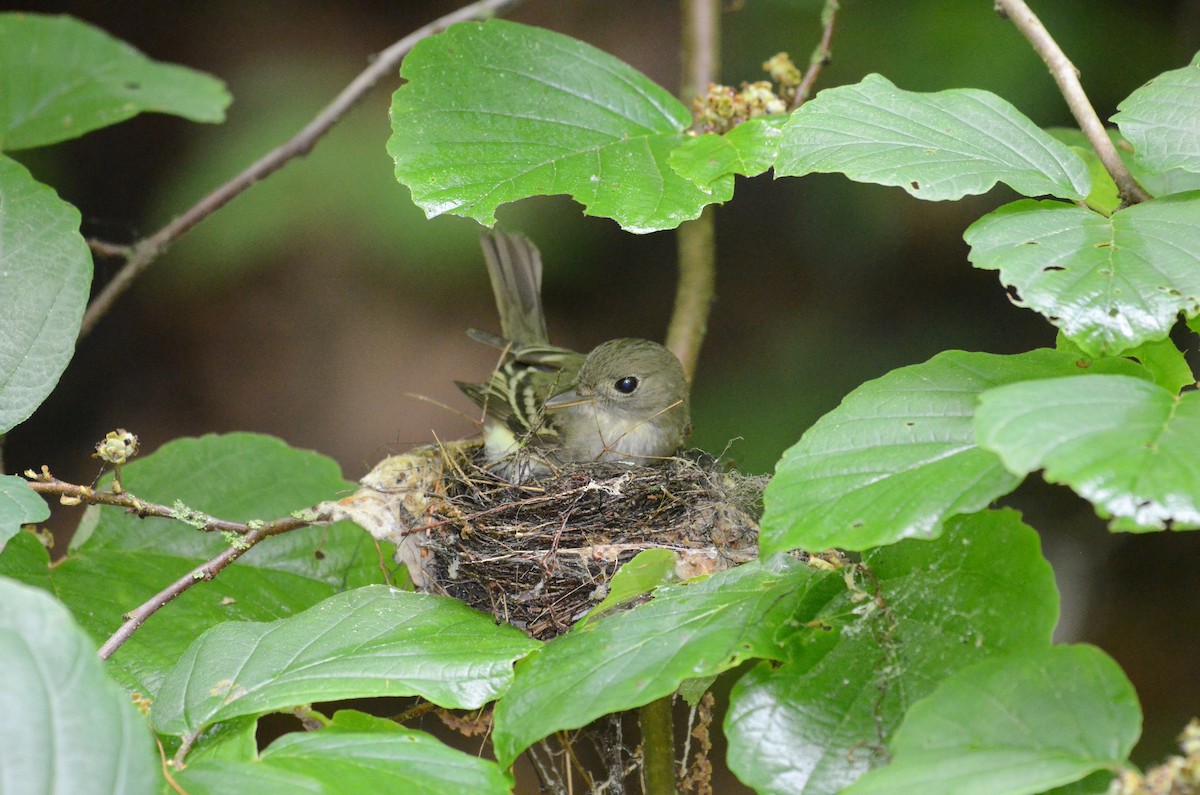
(696, 241)
(141, 254)
(658, 746)
(820, 56)
(1067, 77)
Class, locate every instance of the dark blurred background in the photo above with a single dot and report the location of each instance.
(319, 304)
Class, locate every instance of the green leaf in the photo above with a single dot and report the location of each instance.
(64, 726)
(817, 722)
(1124, 444)
(1166, 363)
(696, 629)
(1110, 283)
(748, 149)
(1103, 197)
(1014, 726)
(19, 504)
(64, 78)
(649, 569)
(118, 561)
(898, 456)
(45, 276)
(1162, 120)
(356, 753)
(937, 146)
(493, 112)
(373, 641)
(25, 559)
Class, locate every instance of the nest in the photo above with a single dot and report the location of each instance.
(540, 555)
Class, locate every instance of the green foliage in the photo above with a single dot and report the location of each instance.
(372, 641)
(354, 753)
(1088, 273)
(927, 666)
(899, 456)
(118, 561)
(820, 720)
(64, 726)
(43, 290)
(493, 112)
(936, 146)
(1124, 444)
(18, 505)
(986, 729)
(1162, 120)
(628, 660)
(64, 78)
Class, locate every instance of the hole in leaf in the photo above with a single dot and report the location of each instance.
(1105, 244)
(319, 555)
(1013, 295)
(915, 185)
(1053, 318)
(910, 424)
(1053, 268)
(1031, 243)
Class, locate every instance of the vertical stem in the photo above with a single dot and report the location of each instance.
(658, 746)
(694, 294)
(700, 45)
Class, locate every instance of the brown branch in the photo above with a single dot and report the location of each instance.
(1067, 77)
(206, 571)
(696, 243)
(141, 254)
(73, 494)
(251, 534)
(820, 56)
(701, 52)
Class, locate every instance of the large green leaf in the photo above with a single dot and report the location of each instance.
(1126, 445)
(1016, 725)
(64, 726)
(495, 111)
(1110, 283)
(817, 722)
(45, 275)
(748, 149)
(898, 456)
(19, 505)
(373, 641)
(356, 753)
(61, 78)
(937, 146)
(1162, 120)
(627, 660)
(118, 561)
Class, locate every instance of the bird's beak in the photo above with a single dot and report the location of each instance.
(569, 398)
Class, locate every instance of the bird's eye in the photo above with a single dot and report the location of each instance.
(626, 385)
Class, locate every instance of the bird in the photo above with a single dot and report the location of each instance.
(544, 406)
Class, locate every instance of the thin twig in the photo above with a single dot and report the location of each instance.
(1067, 77)
(147, 250)
(206, 571)
(74, 494)
(820, 56)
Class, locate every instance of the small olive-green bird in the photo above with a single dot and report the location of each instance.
(627, 400)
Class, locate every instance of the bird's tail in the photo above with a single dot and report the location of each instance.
(515, 267)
